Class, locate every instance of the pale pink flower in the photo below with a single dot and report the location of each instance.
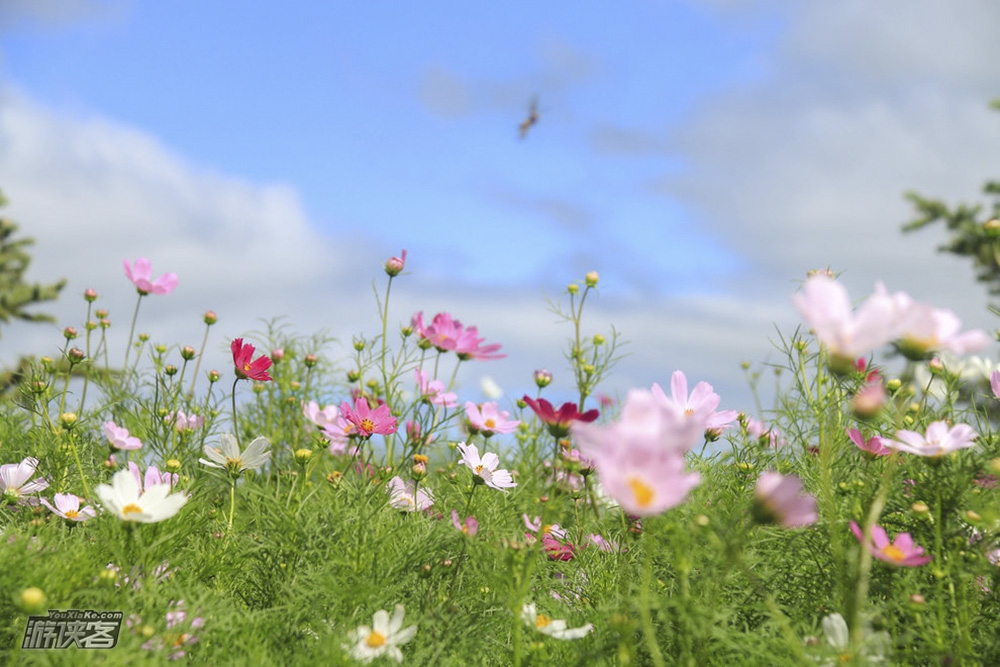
(15, 484)
(485, 468)
(995, 383)
(698, 408)
(321, 417)
(923, 330)
(152, 476)
(141, 273)
(449, 335)
(846, 333)
(407, 496)
(874, 445)
(758, 430)
(645, 481)
(937, 440)
(433, 391)
(780, 499)
(868, 400)
(901, 551)
(645, 421)
(68, 507)
(119, 438)
(468, 527)
(487, 418)
(183, 422)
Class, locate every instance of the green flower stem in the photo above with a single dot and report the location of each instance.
(197, 363)
(236, 428)
(648, 632)
(131, 332)
(232, 502)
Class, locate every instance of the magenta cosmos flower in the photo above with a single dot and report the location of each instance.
(68, 507)
(558, 421)
(487, 418)
(847, 333)
(937, 440)
(15, 484)
(248, 368)
(366, 421)
(902, 551)
(119, 438)
(874, 445)
(141, 273)
(780, 499)
(485, 467)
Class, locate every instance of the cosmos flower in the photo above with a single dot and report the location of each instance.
(552, 627)
(119, 438)
(227, 456)
(874, 445)
(901, 551)
(125, 499)
(67, 506)
(487, 418)
(433, 391)
(140, 275)
(15, 484)
(485, 468)
(468, 527)
(698, 407)
(246, 366)
(937, 440)
(780, 499)
(366, 421)
(383, 637)
(558, 421)
(406, 495)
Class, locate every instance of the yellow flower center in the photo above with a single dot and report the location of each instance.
(367, 425)
(246, 368)
(688, 412)
(893, 552)
(71, 514)
(489, 423)
(479, 469)
(375, 639)
(131, 508)
(542, 621)
(643, 493)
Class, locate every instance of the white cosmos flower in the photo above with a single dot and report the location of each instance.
(382, 638)
(485, 467)
(124, 498)
(552, 627)
(227, 455)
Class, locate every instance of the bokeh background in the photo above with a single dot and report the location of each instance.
(701, 155)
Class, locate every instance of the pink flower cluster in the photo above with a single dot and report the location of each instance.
(848, 333)
(449, 335)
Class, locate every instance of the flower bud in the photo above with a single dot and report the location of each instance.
(143, 338)
(173, 465)
(105, 323)
(187, 353)
(214, 376)
(359, 344)
(170, 370)
(31, 599)
(543, 378)
(920, 508)
(75, 355)
(310, 360)
(68, 419)
(394, 265)
(303, 455)
(573, 288)
(407, 331)
(90, 294)
(278, 355)
(210, 317)
(992, 227)
(101, 313)
(90, 325)
(591, 278)
(160, 348)
(419, 471)
(69, 333)
(598, 339)
(353, 376)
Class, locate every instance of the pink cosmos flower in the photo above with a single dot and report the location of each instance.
(487, 418)
(937, 440)
(558, 421)
(469, 527)
(119, 437)
(246, 366)
(366, 421)
(67, 506)
(151, 477)
(995, 383)
(406, 495)
(321, 417)
(141, 273)
(469, 346)
(485, 468)
(183, 422)
(902, 551)
(759, 431)
(923, 330)
(868, 400)
(780, 499)
(697, 409)
(434, 391)
(448, 335)
(14, 484)
(874, 445)
(847, 334)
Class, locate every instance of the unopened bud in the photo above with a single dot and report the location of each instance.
(69, 333)
(75, 355)
(68, 419)
(187, 353)
(90, 294)
(591, 279)
(210, 317)
(32, 599)
(100, 313)
(573, 288)
(920, 508)
(143, 338)
(303, 455)
(543, 378)
(173, 465)
(310, 360)
(214, 376)
(277, 355)
(170, 370)
(353, 376)
(598, 339)
(359, 344)
(394, 265)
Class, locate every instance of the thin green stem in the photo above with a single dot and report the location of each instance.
(131, 332)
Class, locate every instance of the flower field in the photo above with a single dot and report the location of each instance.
(297, 508)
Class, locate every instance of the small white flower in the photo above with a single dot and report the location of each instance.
(124, 498)
(874, 647)
(227, 455)
(14, 484)
(485, 467)
(552, 627)
(405, 495)
(382, 638)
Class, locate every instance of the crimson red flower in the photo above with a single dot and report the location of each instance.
(246, 366)
(558, 421)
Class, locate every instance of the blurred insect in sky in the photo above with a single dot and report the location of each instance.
(532, 118)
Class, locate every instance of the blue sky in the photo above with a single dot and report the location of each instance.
(701, 155)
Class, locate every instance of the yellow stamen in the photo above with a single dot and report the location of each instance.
(489, 423)
(893, 552)
(367, 425)
(542, 621)
(479, 469)
(131, 509)
(246, 368)
(71, 514)
(643, 493)
(375, 639)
